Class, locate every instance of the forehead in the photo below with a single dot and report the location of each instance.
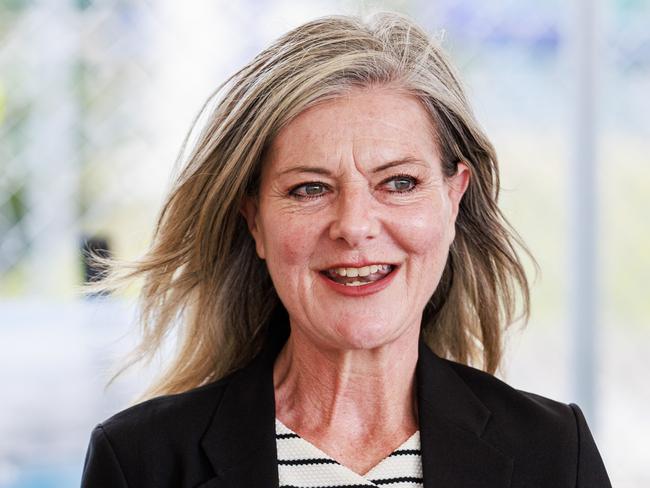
(369, 124)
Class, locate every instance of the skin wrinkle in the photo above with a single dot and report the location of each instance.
(345, 379)
(427, 182)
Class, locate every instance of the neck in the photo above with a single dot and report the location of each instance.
(364, 393)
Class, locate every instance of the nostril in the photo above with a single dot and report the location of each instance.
(354, 230)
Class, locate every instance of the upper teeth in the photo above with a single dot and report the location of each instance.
(364, 271)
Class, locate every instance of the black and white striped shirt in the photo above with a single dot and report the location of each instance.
(303, 465)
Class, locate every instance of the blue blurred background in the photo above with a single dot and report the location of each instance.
(96, 97)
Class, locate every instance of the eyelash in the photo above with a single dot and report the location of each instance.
(414, 181)
(293, 193)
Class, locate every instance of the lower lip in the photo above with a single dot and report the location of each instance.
(361, 290)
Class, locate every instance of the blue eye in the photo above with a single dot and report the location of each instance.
(308, 190)
(401, 183)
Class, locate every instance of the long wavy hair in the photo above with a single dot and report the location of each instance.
(202, 282)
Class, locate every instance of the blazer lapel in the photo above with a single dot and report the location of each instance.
(452, 420)
(240, 441)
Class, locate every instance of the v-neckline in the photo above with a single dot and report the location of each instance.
(410, 446)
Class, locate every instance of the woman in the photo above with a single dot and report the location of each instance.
(337, 258)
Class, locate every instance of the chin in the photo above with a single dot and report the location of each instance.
(355, 335)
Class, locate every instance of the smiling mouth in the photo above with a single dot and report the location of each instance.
(359, 276)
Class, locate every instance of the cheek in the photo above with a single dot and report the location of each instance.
(290, 248)
(288, 244)
(425, 231)
(425, 237)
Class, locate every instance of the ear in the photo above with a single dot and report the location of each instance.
(250, 210)
(457, 185)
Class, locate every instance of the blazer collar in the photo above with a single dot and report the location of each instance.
(452, 421)
(240, 441)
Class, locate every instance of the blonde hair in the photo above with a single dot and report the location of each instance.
(202, 277)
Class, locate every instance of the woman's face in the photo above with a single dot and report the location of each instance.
(355, 219)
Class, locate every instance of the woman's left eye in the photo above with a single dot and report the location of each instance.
(401, 183)
(308, 190)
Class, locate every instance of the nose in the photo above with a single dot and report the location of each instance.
(355, 220)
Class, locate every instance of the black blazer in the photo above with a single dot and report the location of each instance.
(475, 431)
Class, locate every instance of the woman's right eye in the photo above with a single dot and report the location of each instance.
(308, 190)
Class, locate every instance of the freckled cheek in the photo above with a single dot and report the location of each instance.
(420, 232)
(291, 245)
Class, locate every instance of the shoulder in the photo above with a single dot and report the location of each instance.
(155, 443)
(547, 438)
(161, 414)
(498, 395)
(517, 410)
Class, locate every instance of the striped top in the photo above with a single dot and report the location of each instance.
(303, 465)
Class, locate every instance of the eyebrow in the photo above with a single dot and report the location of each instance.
(398, 162)
(324, 171)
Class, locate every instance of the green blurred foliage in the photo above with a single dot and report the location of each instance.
(15, 5)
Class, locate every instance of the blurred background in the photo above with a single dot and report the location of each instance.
(97, 95)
